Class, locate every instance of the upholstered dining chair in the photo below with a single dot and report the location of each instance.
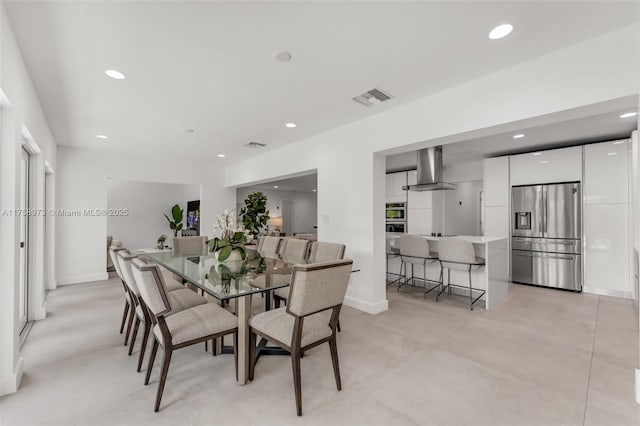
(321, 252)
(182, 298)
(458, 255)
(300, 326)
(189, 246)
(414, 250)
(128, 303)
(294, 249)
(269, 246)
(185, 328)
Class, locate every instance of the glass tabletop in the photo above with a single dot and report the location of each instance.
(229, 279)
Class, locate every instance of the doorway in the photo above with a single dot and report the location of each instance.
(23, 308)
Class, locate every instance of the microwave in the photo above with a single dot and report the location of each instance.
(396, 211)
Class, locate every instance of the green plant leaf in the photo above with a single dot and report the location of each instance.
(243, 252)
(224, 253)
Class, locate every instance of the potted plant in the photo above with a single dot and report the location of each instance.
(254, 214)
(230, 245)
(176, 223)
(161, 239)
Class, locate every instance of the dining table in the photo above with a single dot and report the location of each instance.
(238, 280)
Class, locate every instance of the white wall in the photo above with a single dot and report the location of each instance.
(348, 158)
(305, 206)
(21, 116)
(462, 209)
(82, 183)
(146, 203)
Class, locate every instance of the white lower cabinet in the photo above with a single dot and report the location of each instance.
(606, 262)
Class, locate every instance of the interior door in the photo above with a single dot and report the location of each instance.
(23, 308)
(563, 211)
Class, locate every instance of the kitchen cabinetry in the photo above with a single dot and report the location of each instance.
(394, 183)
(606, 218)
(496, 197)
(556, 165)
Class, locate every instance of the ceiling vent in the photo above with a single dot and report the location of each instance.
(372, 97)
(256, 145)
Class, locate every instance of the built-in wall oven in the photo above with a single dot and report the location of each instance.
(396, 217)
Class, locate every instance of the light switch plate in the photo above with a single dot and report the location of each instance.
(325, 218)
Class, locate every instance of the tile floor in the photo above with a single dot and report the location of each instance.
(543, 357)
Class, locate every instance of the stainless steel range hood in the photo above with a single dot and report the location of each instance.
(430, 171)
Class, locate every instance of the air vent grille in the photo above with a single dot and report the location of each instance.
(256, 145)
(372, 97)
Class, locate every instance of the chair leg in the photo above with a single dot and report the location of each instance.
(338, 327)
(235, 352)
(252, 354)
(470, 291)
(214, 346)
(297, 383)
(132, 313)
(276, 302)
(206, 346)
(333, 346)
(143, 348)
(136, 326)
(152, 358)
(166, 360)
(124, 316)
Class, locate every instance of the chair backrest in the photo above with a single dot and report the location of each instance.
(151, 285)
(323, 252)
(413, 246)
(114, 259)
(319, 286)
(124, 259)
(455, 250)
(269, 245)
(189, 246)
(295, 248)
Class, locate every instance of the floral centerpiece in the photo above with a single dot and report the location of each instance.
(230, 245)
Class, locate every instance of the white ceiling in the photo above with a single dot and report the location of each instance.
(586, 129)
(209, 66)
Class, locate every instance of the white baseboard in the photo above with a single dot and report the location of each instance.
(11, 383)
(103, 276)
(608, 292)
(370, 308)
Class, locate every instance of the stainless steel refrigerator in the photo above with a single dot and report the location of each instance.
(546, 246)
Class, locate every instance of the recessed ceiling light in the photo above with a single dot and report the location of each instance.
(544, 162)
(628, 114)
(115, 74)
(619, 142)
(518, 136)
(221, 155)
(290, 125)
(314, 190)
(102, 136)
(500, 31)
(275, 186)
(282, 56)
(537, 153)
(188, 130)
(612, 153)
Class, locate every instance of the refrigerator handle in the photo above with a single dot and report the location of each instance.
(545, 211)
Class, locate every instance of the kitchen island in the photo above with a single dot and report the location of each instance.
(492, 277)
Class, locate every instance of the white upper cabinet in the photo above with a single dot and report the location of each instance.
(556, 165)
(496, 181)
(606, 173)
(394, 183)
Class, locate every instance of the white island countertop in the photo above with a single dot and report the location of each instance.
(477, 239)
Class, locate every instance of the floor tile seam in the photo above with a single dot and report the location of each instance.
(554, 389)
(595, 334)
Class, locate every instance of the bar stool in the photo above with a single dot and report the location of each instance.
(392, 252)
(458, 255)
(415, 250)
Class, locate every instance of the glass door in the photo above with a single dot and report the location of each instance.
(23, 309)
